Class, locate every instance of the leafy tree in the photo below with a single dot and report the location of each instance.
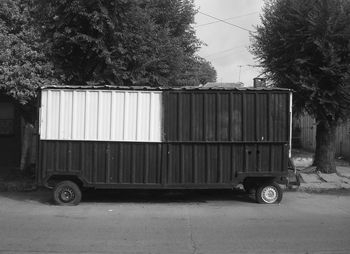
(146, 42)
(206, 72)
(197, 71)
(305, 46)
(23, 64)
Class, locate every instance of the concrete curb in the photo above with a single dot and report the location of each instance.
(321, 183)
(323, 187)
(318, 188)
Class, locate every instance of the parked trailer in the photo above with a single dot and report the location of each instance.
(163, 138)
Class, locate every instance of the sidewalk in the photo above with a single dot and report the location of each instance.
(313, 181)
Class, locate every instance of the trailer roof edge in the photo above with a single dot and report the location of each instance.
(149, 88)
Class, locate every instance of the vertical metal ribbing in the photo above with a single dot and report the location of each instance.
(47, 122)
(219, 164)
(138, 116)
(256, 127)
(73, 115)
(217, 113)
(99, 112)
(120, 166)
(191, 116)
(270, 123)
(146, 164)
(194, 163)
(160, 166)
(168, 165)
(95, 163)
(243, 117)
(125, 114)
(205, 137)
(232, 163)
(86, 113)
(258, 158)
(164, 119)
(44, 154)
(230, 99)
(82, 157)
(112, 116)
(290, 124)
(256, 130)
(268, 118)
(168, 168)
(179, 122)
(277, 131)
(282, 159)
(133, 169)
(150, 117)
(56, 155)
(69, 156)
(245, 158)
(182, 164)
(108, 163)
(61, 108)
(207, 161)
(271, 146)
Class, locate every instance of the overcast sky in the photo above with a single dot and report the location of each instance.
(227, 45)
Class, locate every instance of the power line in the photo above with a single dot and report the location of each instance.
(226, 55)
(221, 20)
(245, 15)
(223, 51)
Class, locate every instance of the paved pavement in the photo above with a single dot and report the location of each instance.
(313, 181)
(183, 222)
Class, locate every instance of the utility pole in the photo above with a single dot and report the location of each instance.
(239, 73)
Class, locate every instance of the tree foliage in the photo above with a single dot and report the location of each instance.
(121, 42)
(146, 42)
(305, 46)
(23, 64)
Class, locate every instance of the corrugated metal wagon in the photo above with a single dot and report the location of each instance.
(163, 138)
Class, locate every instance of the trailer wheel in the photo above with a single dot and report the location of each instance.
(67, 193)
(269, 193)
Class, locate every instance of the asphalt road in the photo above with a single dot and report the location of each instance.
(183, 222)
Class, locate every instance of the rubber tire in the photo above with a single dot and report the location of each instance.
(259, 192)
(73, 187)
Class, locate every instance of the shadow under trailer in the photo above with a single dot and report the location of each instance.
(107, 137)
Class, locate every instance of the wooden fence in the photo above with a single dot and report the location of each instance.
(307, 127)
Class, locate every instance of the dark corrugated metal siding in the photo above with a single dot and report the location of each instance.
(104, 162)
(226, 116)
(233, 132)
(160, 164)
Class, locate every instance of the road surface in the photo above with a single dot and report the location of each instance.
(212, 222)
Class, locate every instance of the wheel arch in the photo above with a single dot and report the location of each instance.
(52, 180)
(259, 180)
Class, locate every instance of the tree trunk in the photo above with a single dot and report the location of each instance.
(27, 145)
(325, 147)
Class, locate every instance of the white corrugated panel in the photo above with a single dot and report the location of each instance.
(103, 115)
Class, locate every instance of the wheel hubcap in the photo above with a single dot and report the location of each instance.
(269, 194)
(67, 194)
